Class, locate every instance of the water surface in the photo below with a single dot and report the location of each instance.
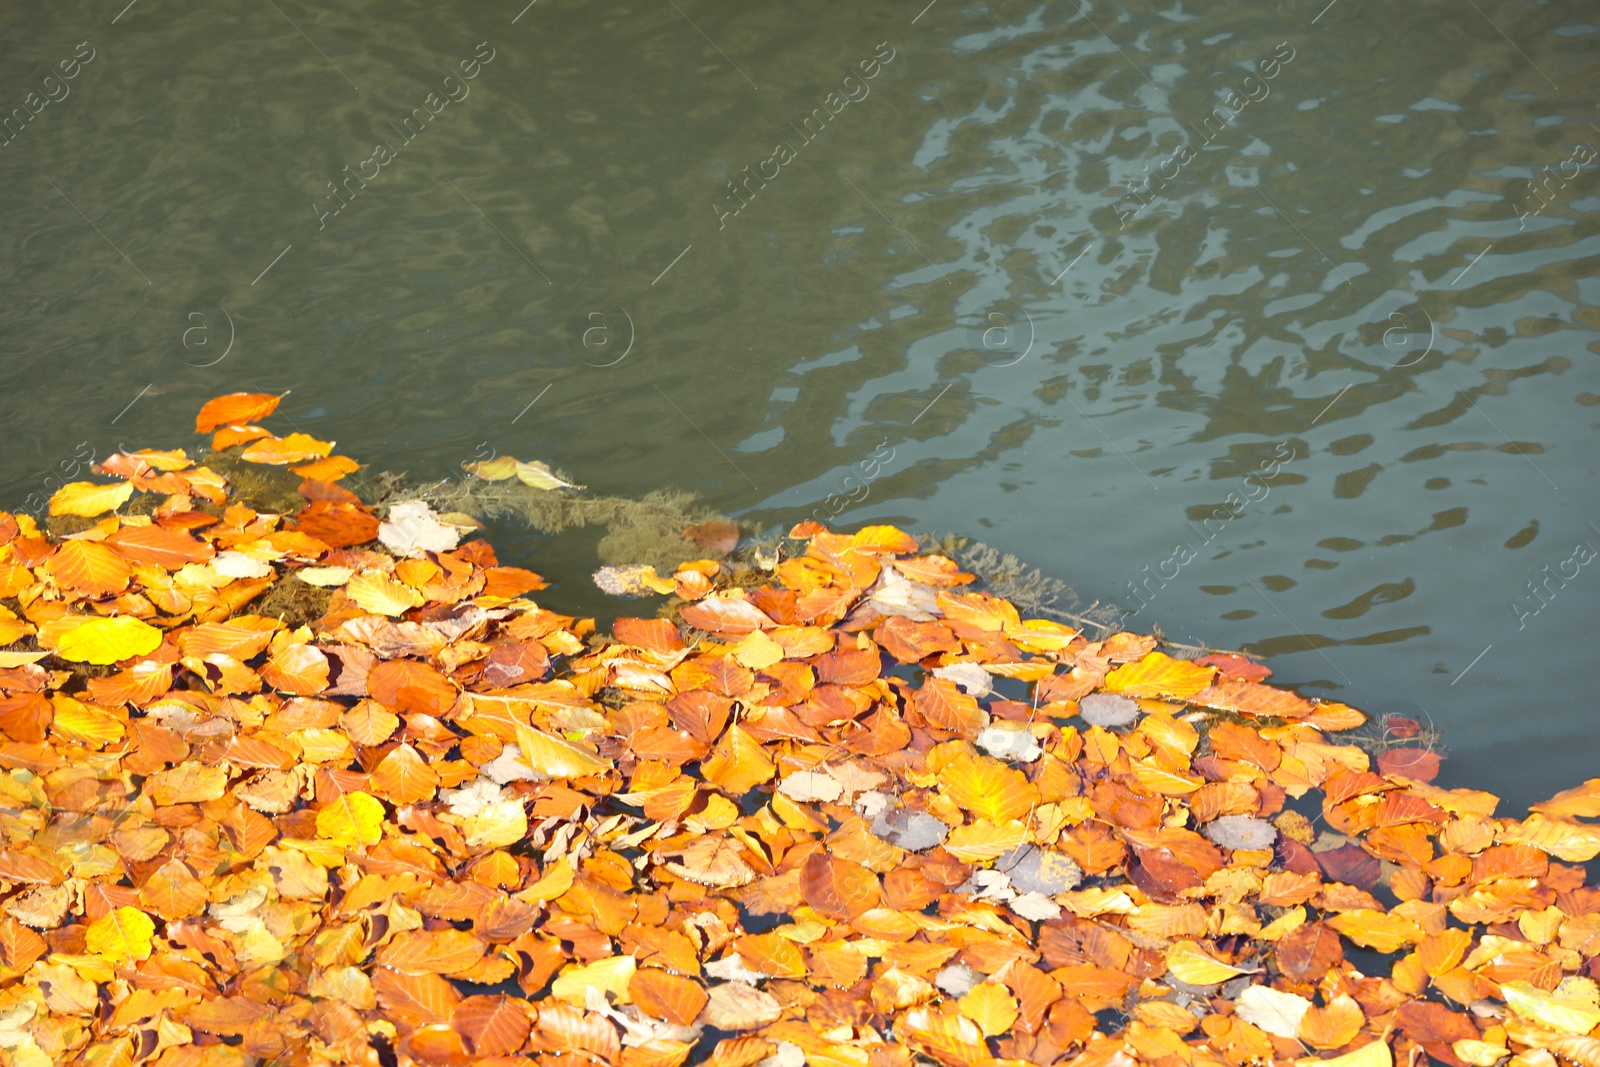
(1247, 320)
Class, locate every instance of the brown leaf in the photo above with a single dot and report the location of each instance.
(1308, 952)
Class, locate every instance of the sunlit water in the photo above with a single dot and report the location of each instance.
(1275, 324)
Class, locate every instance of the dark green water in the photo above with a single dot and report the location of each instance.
(1063, 277)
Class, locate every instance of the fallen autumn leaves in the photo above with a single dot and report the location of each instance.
(444, 825)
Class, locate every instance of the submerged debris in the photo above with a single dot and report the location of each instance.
(422, 819)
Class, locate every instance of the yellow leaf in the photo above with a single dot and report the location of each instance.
(494, 470)
(1040, 635)
(376, 592)
(328, 470)
(537, 475)
(983, 840)
(1376, 1054)
(1152, 780)
(89, 498)
(610, 975)
(556, 757)
(1479, 1053)
(279, 452)
(1564, 839)
(86, 725)
(556, 880)
(738, 763)
(121, 935)
(1572, 1014)
(1375, 929)
(350, 818)
(988, 788)
(757, 651)
(1190, 963)
(1159, 675)
(991, 1006)
(175, 460)
(501, 823)
(101, 641)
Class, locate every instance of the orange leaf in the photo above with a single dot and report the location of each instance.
(1439, 953)
(160, 546)
(1376, 929)
(1253, 699)
(652, 635)
(330, 469)
(675, 998)
(947, 708)
(406, 685)
(738, 763)
(174, 892)
(492, 1026)
(434, 951)
(335, 524)
(235, 408)
(838, 888)
(231, 435)
(88, 569)
(420, 999)
(402, 777)
(1333, 1026)
(295, 668)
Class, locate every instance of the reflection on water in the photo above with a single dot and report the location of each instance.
(1272, 326)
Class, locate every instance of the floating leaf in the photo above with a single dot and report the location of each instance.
(413, 530)
(351, 818)
(1159, 675)
(89, 498)
(1375, 1054)
(281, 451)
(1276, 1012)
(1189, 963)
(1034, 870)
(376, 592)
(1109, 710)
(234, 409)
(1569, 1014)
(1334, 1025)
(106, 640)
(738, 762)
(988, 788)
(1241, 831)
(121, 935)
(991, 1006)
(88, 569)
(914, 831)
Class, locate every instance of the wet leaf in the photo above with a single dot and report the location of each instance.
(105, 640)
(89, 498)
(235, 409)
(121, 935)
(296, 836)
(351, 818)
